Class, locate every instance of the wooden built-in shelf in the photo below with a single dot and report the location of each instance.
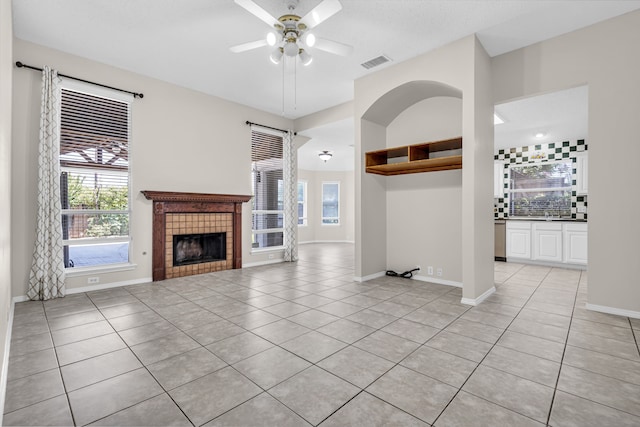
(419, 158)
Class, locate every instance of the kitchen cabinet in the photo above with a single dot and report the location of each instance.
(582, 173)
(498, 180)
(519, 239)
(547, 241)
(575, 244)
(552, 242)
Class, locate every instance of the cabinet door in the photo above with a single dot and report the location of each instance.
(519, 243)
(498, 180)
(575, 247)
(582, 174)
(547, 243)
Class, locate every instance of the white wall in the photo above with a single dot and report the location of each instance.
(6, 76)
(424, 209)
(315, 231)
(604, 56)
(182, 141)
(459, 69)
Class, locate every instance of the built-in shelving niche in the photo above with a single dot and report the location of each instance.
(426, 157)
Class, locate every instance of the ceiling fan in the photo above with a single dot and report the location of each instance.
(292, 34)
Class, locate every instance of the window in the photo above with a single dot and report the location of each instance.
(267, 230)
(94, 177)
(331, 203)
(541, 190)
(302, 203)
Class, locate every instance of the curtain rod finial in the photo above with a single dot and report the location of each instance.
(19, 64)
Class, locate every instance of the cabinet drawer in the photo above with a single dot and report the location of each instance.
(547, 226)
(518, 225)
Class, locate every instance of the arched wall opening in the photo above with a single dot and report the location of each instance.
(460, 70)
(418, 219)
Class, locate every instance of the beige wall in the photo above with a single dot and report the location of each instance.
(182, 141)
(315, 231)
(6, 75)
(424, 211)
(604, 56)
(450, 70)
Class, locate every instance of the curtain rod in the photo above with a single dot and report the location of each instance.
(135, 94)
(268, 127)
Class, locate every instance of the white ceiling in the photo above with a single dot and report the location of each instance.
(187, 43)
(337, 138)
(560, 116)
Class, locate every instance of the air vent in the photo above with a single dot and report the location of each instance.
(376, 62)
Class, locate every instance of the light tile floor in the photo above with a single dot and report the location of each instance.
(300, 343)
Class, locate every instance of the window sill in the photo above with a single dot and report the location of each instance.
(330, 225)
(265, 250)
(112, 268)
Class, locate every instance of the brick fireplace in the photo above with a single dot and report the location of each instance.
(181, 224)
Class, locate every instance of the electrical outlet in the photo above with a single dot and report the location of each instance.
(430, 271)
(93, 280)
(439, 272)
(418, 267)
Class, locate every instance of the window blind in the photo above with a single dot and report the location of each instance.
(268, 189)
(94, 166)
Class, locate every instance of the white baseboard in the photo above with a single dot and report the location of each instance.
(259, 263)
(370, 276)
(325, 241)
(613, 310)
(548, 263)
(5, 359)
(476, 301)
(101, 287)
(109, 285)
(437, 281)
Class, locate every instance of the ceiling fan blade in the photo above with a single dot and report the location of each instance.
(321, 12)
(258, 12)
(333, 47)
(247, 46)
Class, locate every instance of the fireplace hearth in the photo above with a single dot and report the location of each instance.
(185, 226)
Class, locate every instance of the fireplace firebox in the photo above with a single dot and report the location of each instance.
(198, 248)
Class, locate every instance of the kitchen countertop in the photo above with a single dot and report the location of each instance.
(540, 219)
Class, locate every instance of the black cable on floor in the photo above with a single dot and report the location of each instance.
(406, 274)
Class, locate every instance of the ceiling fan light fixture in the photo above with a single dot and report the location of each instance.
(276, 55)
(305, 58)
(291, 48)
(310, 39)
(271, 39)
(325, 155)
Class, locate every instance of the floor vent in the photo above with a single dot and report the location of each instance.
(382, 59)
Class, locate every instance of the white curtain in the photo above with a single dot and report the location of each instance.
(46, 280)
(290, 172)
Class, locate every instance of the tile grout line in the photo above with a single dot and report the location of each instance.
(311, 329)
(348, 345)
(492, 347)
(564, 350)
(55, 351)
(136, 356)
(633, 333)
